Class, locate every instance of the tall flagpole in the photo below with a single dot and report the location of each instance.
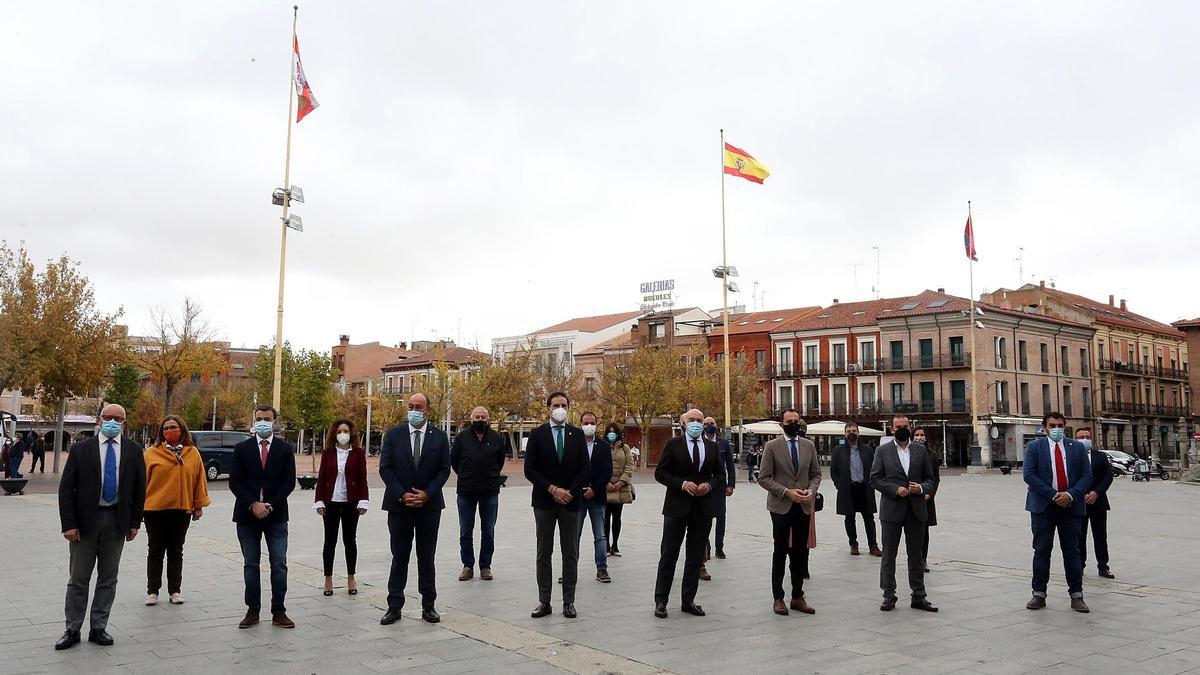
(287, 168)
(985, 453)
(725, 286)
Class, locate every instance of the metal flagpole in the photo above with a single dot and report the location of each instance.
(725, 286)
(287, 167)
(985, 453)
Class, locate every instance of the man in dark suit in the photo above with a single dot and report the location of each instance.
(556, 463)
(848, 470)
(1058, 472)
(595, 495)
(725, 450)
(414, 464)
(100, 498)
(902, 474)
(1096, 499)
(690, 467)
(261, 477)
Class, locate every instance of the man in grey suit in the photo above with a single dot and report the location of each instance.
(100, 499)
(903, 475)
(790, 475)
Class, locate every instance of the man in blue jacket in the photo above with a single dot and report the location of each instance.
(1058, 472)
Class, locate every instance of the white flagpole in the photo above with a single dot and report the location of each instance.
(287, 167)
(985, 450)
(725, 287)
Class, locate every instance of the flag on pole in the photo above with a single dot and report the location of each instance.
(307, 101)
(969, 240)
(739, 163)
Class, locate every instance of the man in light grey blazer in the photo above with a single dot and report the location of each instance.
(791, 475)
(903, 475)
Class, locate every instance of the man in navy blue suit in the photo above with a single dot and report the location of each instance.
(1096, 499)
(1058, 472)
(414, 464)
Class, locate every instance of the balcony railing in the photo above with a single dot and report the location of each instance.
(1146, 409)
(925, 362)
(822, 368)
(1165, 372)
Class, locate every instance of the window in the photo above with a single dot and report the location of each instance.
(812, 399)
(760, 359)
(1024, 398)
(811, 358)
(785, 360)
(1066, 400)
(1100, 350)
(552, 360)
(867, 400)
(897, 393)
(1085, 365)
(1087, 402)
(785, 397)
(866, 355)
(926, 347)
(1066, 365)
(1001, 349)
(927, 394)
(958, 395)
(656, 331)
(1118, 393)
(1022, 356)
(897, 347)
(738, 357)
(956, 351)
(720, 358)
(589, 385)
(839, 356)
(1001, 396)
(1046, 403)
(839, 399)
(1045, 353)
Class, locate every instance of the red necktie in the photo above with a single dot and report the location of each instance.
(266, 445)
(1060, 468)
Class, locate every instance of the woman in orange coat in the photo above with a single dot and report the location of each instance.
(176, 494)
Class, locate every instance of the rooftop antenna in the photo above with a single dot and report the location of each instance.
(876, 286)
(854, 271)
(1020, 259)
(754, 296)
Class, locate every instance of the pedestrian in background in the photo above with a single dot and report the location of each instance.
(16, 454)
(620, 490)
(595, 495)
(341, 497)
(477, 457)
(730, 468)
(930, 506)
(848, 469)
(37, 448)
(1096, 499)
(176, 494)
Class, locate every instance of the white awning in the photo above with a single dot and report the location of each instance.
(836, 428)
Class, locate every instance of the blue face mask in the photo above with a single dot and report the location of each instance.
(710, 429)
(612, 438)
(1087, 443)
(1056, 434)
(263, 428)
(416, 418)
(111, 428)
(694, 429)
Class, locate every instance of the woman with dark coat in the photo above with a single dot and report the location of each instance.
(931, 504)
(341, 497)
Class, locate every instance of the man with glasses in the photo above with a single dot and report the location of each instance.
(100, 499)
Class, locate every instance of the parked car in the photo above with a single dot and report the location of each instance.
(216, 450)
(1122, 463)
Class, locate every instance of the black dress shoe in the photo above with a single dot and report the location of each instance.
(692, 609)
(720, 554)
(100, 637)
(390, 617)
(69, 639)
(569, 610)
(888, 605)
(1106, 574)
(660, 610)
(430, 615)
(923, 605)
(541, 610)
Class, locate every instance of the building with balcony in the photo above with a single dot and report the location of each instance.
(408, 375)
(750, 336)
(1139, 368)
(555, 346)
(355, 364)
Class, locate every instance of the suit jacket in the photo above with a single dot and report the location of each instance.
(931, 504)
(251, 482)
(675, 468)
(1040, 478)
(777, 474)
(1102, 479)
(543, 469)
(601, 469)
(839, 472)
(887, 476)
(400, 474)
(727, 461)
(80, 485)
(356, 476)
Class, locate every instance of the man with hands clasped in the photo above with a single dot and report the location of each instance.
(791, 476)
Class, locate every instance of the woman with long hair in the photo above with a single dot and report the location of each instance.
(341, 497)
(176, 494)
(620, 490)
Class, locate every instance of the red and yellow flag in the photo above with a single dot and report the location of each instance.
(739, 163)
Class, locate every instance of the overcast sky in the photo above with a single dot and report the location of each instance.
(483, 169)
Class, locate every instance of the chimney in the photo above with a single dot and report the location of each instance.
(344, 339)
(1123, 304)
(1110, 300)
(402, 345)
(835, 301)
(1043, 283)
(941, 290)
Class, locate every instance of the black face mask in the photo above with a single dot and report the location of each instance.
(792, 429)
(903, 434)
(710, 429)
(479, 426)
(851, 438)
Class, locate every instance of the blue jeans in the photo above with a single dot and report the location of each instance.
(250, 536)
(488, 506)
(595, 510)
(1044, 526)
(14, 467)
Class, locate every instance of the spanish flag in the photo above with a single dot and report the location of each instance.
(739, 163)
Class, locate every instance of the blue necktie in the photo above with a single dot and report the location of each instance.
(795, 456)
(109, 492)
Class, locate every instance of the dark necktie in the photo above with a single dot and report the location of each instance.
(1061, 468)
(416, 447)
(558, 442)
(110, 474)
(795, 456)
(266, 447)
(696, 454)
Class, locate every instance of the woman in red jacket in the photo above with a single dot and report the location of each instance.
(341, 497)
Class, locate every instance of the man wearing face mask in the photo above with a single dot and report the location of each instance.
(902, 474)
(930, 504)
(791, 476)
(690, 467)
(101, 496)
(261, 477)
(725, 450)
(414, 464)
(1058, 473)
(595, 495)
(556, 464)
(848, 470)
(1096, 499)
(477, 457)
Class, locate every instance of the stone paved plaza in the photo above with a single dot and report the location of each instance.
(1147, 620)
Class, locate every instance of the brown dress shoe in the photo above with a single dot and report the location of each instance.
(800, 605)
(854, 550)
(486, 575)
(280, 619)
(779, 608)
(467, 574)
(704, 574)
(250, 620)
(876, 552)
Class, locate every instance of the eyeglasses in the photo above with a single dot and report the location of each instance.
(112, 418)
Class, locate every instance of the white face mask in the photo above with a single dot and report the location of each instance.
(589, 430)
(559, 415)
(343, 438)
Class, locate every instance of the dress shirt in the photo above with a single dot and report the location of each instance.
(700, 443)
(103, 458)
(339, 485)
(906, 459)
(856, 465)
(590, 443)
(1055, 448)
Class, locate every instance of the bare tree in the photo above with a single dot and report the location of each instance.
(180, 347)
